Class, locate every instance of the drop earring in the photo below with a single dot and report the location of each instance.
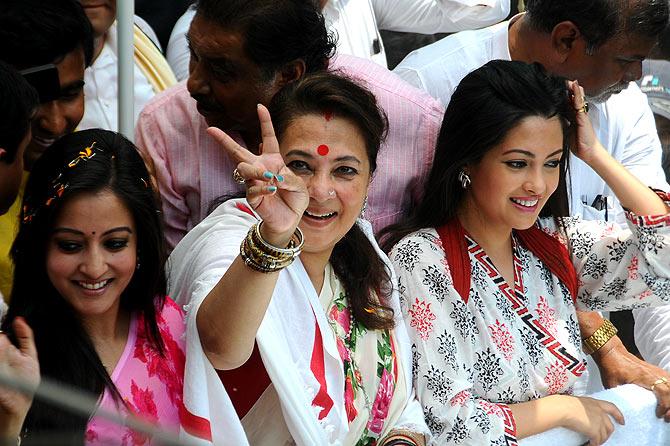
(464, 178)
(364, 208)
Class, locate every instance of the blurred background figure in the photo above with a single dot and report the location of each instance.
(152, 74)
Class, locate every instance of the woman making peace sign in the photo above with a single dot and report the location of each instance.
(292, 269)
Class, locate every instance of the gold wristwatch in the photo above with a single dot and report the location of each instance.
(599, 337)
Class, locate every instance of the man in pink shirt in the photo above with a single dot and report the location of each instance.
(242, 53)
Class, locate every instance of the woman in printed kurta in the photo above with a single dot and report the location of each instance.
(490, 291)
(90, 281)
(320, 332)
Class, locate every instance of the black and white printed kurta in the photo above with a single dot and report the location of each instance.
(503, 345)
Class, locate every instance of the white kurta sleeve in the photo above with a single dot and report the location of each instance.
(621, 268)
(443, 366)
(652, 335)
(434, 16)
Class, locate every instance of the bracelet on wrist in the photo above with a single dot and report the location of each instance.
(264, 257)
(599, 337)
(403, 437)
(400, 441)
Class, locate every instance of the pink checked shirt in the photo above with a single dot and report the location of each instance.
(192, 169)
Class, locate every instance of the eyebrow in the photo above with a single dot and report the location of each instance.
(530, 154)
(73, 86)
(296, 152)
(109, 231)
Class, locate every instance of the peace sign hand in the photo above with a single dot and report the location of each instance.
(273, 190)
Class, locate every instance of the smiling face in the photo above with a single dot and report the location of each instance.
(92, 253)
(514, 180)
(61, 116)
(224, 81)
(329, 154)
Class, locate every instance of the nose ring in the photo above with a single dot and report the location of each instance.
(331, 193)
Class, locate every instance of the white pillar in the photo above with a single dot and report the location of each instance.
(125, 11)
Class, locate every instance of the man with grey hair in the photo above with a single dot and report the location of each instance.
(601, 44)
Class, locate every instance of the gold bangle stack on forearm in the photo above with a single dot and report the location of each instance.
(599, 337)
(261, 256)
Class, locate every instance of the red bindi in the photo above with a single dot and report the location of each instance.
(322, 150)
(328, 115)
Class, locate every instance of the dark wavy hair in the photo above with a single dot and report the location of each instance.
(18, 102)
(275, 32)
(601, 20)
(38, 32)
(354, 259)
(65, 350)
(487, 104)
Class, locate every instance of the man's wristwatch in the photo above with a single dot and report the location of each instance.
(599, 337)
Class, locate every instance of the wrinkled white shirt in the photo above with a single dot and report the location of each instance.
(101, 89)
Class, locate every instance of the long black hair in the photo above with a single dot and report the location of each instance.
(66, 352)
(487, 104)
(354, 259)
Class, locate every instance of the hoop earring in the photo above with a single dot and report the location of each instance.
(464, 178)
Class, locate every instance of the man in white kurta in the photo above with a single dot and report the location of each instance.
(623, 123)
(101, 89)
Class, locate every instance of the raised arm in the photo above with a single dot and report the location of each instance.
(231, 313)
(631, 192)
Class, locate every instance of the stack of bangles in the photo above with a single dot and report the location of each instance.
(403, 437)
(261, 256)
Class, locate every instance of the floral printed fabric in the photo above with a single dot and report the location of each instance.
(512, 343)
(370, 368)
(151, 385)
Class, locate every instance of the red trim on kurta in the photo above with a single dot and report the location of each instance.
(553, 254)
(453, 243)
(549, 250)
(195, 425)
(318, 367)
(244, 208)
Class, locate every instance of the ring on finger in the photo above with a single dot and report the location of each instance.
(237, 177)
(659, 381)
(584, 108)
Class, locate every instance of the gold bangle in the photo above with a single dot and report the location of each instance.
(263, 257)
(599, 337)
(415, 437)
(294, 246)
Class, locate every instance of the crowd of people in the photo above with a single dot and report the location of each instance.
(305, 248)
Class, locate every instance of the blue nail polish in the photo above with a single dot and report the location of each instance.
(269, 175)
(280, 178)
(272, 188)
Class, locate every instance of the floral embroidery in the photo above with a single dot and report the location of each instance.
(632, 269)
(503, 340)
(556, 378)
(151, 384)
(348, 331)
(460, 398)
(547, 315)
(422, 319)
